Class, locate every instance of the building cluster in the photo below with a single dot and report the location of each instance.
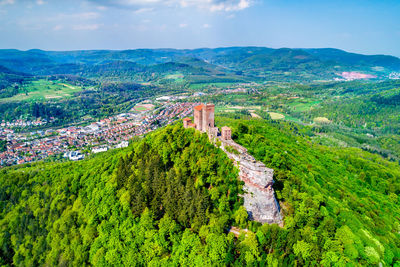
(25, 123)
(203, 115)
(112, 132)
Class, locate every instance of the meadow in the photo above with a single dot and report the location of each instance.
(42, 89)
(199, 86)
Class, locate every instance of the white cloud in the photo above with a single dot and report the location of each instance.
(183, 25)
(7, 2)
(57, 27)
(211, 5)
(85, 27)
(206, 26)
(87, 15)
(144, 10)
(230, 5)
(75, 16)
(126, 2)
(102, 8)
(40, 2)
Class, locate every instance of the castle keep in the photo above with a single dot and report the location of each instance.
(259, 196)
(203, 118)
(204, 122)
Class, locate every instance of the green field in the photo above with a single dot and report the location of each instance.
(303, 105)
(176, 76)
(42, 90)
(140, 108)
(276, 116)
(143, 107)
(235, 108)
(197, 86)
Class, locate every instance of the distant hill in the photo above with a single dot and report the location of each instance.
(248, 62)
(10, 81)
(352, 59)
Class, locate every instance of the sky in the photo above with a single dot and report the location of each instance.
(361, 26)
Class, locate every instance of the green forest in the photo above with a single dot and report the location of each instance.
(171, 197)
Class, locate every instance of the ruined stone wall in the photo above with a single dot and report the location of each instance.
(259, 196)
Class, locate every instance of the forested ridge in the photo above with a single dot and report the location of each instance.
(340, 206)
(171, 197)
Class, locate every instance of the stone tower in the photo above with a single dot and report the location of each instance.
(198, 117)
(226, 133)
(208, 117)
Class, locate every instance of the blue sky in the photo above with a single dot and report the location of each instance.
(364, 26)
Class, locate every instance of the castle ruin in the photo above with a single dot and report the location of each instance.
(203, 118)
(259, 196)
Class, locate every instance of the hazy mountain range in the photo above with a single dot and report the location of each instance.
(230, 63)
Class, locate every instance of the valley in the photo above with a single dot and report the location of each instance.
(98, 167)
(199, 133)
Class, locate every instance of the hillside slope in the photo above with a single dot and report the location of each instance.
(171, 197)
(340, 205)
(155, 202)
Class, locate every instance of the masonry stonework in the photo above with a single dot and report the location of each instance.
(226, 133)
(203, 118)
(259, 196)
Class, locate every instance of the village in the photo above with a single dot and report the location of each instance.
(25, 123)
(75, 142)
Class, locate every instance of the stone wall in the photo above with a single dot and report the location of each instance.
(259, 196)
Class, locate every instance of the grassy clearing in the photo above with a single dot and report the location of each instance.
(276, 116)
(254, 115)
(293, 119)
(176, 76)
(236, 108)
(42, 90)
(197, 86)
(304, 105)
(321, 120)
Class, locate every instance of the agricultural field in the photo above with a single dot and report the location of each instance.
(176, 76)
(199, 86)
(143, 107)
(302, 105)
(276, 116)
(223, 108)
(41, 90)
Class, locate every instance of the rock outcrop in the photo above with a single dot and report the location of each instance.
(259, 198)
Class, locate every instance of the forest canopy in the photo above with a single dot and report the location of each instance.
(172, 196)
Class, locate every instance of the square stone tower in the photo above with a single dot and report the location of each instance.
(204, 117)
(198, 117)
(208, 116)
(226, 133)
